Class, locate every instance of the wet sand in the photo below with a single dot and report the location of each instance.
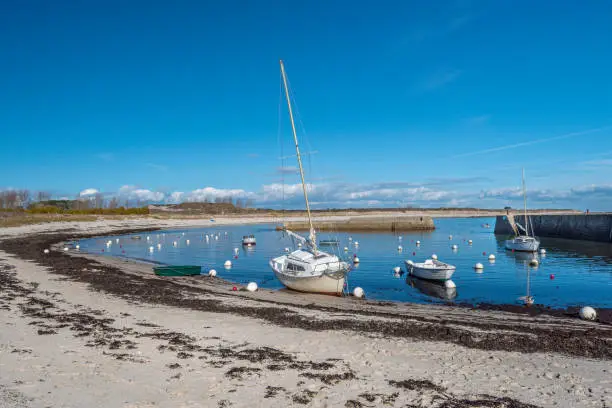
(119, 336)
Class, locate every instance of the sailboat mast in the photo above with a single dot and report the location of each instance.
(299, 157)
(525, 201)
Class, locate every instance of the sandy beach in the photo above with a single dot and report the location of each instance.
(84, 330)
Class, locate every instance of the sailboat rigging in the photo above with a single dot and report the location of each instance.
(307, 269)
(526, 242)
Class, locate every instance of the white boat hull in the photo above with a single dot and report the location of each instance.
(522, 245)
(430, 274)
(330, 285)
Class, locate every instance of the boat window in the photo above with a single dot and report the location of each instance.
(294, 267)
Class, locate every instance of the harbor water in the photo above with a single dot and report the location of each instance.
(571, 273)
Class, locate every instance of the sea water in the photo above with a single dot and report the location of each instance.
(571, 273)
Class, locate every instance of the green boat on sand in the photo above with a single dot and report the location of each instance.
(178, 270)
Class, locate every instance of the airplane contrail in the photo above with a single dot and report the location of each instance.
(532, 142)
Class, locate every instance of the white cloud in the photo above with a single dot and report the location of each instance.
(211, 193)
(436, 193)
(88, 192)
(175, 197)
(141, 194)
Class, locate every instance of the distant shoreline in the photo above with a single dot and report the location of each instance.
(16, 219)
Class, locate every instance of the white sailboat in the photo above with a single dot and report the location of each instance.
(526, 242)
(308, 269)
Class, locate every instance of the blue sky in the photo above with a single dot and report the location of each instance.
(404, 102)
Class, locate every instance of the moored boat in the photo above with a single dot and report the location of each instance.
(526, 242)
(304, 271)
(431, 269)
(177, 270)
(249, 240)
(308, 269)
(523, 243)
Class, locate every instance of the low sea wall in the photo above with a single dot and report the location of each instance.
(586, 227)
(369, 224)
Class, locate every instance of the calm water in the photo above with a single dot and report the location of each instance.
(582, 270)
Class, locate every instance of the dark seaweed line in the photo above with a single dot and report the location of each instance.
(578, 342)
(84, 325)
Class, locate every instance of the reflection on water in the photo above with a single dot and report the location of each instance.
(433, 289)
(571, 273)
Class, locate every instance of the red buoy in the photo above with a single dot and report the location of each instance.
(414, 253)
(234, 288)
(552, 276)
(484, 253)
(235, 256)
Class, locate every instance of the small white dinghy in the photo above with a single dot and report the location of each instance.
(249, 240)
(431, 269)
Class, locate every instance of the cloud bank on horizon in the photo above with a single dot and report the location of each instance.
(390, 194)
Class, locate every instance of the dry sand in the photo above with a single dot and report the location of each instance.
(77, 331)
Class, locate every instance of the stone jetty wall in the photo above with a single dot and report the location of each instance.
(369, 224)
(591, 227)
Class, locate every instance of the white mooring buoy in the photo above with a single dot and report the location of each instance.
(397, 269)
(345, 249)
(491, 257)
(479, 266)
(228, 264)
(212, 273)
(542, 251)
(356, 259)
(151, 249)
(400, 248)
(434, 257)
(454, 247)
(358, 292)
(287, 250)
(588, 313)
(449, 284)
(418, 243)
(252, 287)
(469, 242)
(534, 263)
